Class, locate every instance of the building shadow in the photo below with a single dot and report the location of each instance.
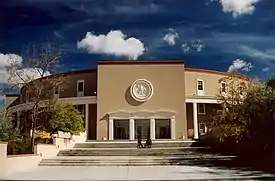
(129, 99)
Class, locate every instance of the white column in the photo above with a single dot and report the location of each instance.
(195, 121)
(111, 129)
(132, 129)
(173, 128)
(153, 128)
(86, 120)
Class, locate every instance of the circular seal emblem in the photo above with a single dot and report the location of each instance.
(141, 90)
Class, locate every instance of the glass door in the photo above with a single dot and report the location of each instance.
(121, 129)
(142, 128)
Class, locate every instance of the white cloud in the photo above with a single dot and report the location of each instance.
(2, 99)
(252, 52)
(25, 73)
(171, 37)
(238, 7)
(195, 45)
(5, 60)
(239, 65)
(185, 47)
(114, 43)
(266, 69)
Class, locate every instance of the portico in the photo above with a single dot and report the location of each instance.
(196, 112)
(143, 124)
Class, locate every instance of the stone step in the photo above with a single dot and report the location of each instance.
(129, 161)
(131, 151)
(133, 144)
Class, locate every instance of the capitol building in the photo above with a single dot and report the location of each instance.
(124, 100)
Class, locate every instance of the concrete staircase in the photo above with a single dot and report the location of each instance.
(125, 153)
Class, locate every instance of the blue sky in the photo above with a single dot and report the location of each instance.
(211, 34)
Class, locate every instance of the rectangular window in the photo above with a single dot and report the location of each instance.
(201, 108)
(223, 87)
(80, 86)
(202, 128)
(81, 109)
(56, 89)
(200, 85)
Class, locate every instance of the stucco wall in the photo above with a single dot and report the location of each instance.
(17, 163)
(211, 82)
(3, 155)
(69, 89)
(113, 95)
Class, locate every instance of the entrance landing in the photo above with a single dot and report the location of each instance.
(133, 143)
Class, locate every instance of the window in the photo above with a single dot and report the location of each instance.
(56, 89)
(200, 85)
(201, 109)
(81, 109)
(223, 87)
(80, 86)
(202, 128)
(242, 88)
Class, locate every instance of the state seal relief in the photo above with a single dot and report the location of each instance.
(141, 90)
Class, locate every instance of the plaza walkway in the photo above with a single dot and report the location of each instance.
(139, 173)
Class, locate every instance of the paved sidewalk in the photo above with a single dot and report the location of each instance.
(134, 173)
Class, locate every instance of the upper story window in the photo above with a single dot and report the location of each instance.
(56, 90)
(242, 88)
(223, 87)
(201, 108)
(200, 87)
(80, 88)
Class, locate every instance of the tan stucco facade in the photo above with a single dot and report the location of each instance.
(114, 81)
(107, 92)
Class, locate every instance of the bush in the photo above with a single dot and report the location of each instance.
(19, 146)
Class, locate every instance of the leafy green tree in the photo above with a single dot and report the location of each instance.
(61, 117)
(7, 130)
(246, 114)
(271, 83)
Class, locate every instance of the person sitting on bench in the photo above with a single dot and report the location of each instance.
(148, 143)
(139, 143)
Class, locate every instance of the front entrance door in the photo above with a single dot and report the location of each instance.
(142, 128)
(121, 129)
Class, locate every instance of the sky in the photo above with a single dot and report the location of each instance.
(224, 35)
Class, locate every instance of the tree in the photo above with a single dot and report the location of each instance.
(246, 112)
(7, 130)
(33, 78)
(227, 121)
(271, 83)
(63, 117)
